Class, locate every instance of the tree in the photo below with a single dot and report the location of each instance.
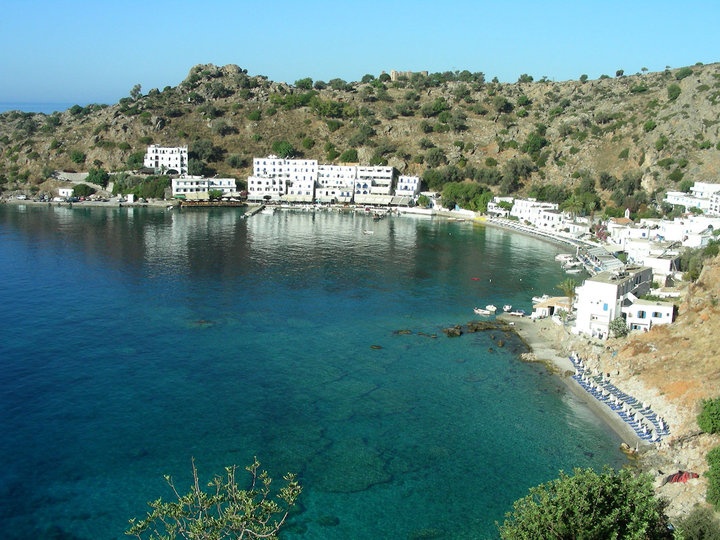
(98, 176)
(567, 286)
(83, 190)
(304, 84)
(76, 156)
(589, 505)
(136, 92)
(700, 524)
(620, 73)
(618, 327)
(226, 512)
(525, 78)
(135, 160)
(673, 91)
(709, 418)
(349, 156)
(583, 78)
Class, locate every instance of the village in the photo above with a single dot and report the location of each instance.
(633, 266)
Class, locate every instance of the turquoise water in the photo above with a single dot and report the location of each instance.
(133, 340)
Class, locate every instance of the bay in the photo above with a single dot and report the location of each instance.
(133, 340)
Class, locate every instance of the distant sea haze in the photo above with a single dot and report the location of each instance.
(47, 108)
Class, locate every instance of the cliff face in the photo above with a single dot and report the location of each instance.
(659, 127)
(682, 360)
(673, 368)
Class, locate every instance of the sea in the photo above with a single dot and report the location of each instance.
(136, 340)
(35, 107)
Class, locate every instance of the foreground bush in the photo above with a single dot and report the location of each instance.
(226, 512)
(713, 475)
(700, 524)
(589, 505)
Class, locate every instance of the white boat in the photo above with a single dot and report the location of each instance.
(507, 308)
(573, 270)
(518, 313)
(481, 311)
(564, 257)
(491, 308)
(368, 232)
(538, 299)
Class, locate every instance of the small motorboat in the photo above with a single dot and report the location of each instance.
(518, 313)
(538, 299)
(481, 311)
(507, 308)
(368, 232)
(491, 308)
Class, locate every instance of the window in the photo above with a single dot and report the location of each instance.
(657, 315)
(640, 314)
(605, 307)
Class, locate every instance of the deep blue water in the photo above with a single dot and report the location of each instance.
(132, 340)
(35, 107)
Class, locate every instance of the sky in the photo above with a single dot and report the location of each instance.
(96, 51)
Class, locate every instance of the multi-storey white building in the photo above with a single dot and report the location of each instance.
(335, 183)
(703, 195)
(167, 159)
(374, 185)
(408, 186)
(601, 298)
(199, 187)
(277, 179)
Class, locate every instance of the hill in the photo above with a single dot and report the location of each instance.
(628, 138)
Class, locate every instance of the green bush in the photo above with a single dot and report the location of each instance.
(683, 72)
(709, 418)
(349, 156)
(700, 524)
(673, 92)
(611, 504)
(713, 475)
(76, 156)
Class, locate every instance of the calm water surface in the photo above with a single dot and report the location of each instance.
(133, 340)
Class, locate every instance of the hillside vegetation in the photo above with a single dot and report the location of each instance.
(625, 140)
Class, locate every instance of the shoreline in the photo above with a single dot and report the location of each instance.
(545, 340)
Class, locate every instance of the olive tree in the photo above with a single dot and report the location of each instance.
(588, 505)
(227, 511)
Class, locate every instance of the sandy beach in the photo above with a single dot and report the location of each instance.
(552, 345)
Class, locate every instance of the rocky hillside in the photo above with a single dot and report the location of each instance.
(673, 368)
(660, 128)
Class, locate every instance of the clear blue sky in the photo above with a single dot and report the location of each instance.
(95, 51)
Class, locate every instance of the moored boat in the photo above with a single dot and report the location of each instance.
(507, 308)
(491, 308)
(481, 311)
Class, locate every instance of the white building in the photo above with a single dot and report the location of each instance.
(335, 183)
(494, 208)
(539, 214)
(408, 186)
(644, 314)
(703, 195)
(601, 298)
(199, 187)
(277, 179)
(167, 159)
(65, 192)
(374, 185)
